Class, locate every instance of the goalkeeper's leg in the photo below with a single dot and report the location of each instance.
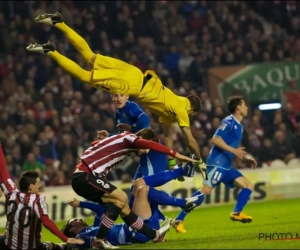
(77, 41)
(64, 62)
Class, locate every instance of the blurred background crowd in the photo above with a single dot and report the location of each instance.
(47, 117)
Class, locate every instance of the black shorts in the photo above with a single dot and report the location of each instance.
(91, 187)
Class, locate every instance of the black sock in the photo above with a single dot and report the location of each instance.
(136, 223)
(108, 220)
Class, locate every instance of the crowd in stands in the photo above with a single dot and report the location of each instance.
(47, 118)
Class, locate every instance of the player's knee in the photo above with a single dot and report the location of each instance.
(206, 190)
(86, 76)
(249, 185)
(122, 199)
(92, 61)
(142, 191)
(136, 184)
(118, 197)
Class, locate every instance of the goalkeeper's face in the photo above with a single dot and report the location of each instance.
(119, 100)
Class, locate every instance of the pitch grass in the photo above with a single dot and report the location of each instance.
(211, 228)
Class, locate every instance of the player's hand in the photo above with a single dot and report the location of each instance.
(124, 127)
(252, 161)
(75, 241)
(173, 165)
(74, 203)
(202, 166)
(240, 152)
(102, 134)
(203, 169)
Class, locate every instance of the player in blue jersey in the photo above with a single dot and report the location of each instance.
(130, 117)
(145, 206)
(226, 144)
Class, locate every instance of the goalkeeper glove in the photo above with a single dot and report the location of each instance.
(172, 165)
(202, 166)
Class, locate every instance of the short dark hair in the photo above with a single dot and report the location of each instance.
(148, 134)
(27, 178)
(195, 103)
(233, 102)
(66, 230)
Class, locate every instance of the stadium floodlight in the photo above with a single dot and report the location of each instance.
(269, 106)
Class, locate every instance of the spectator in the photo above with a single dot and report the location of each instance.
(292, 95)
(266, 153)
(46, 147)
(281, 148)
(46, 112)
(31, 163)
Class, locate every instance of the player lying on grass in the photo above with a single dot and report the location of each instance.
(145, 205)
(226, 144)
(115, 76)
(26, 211)
(89, 179)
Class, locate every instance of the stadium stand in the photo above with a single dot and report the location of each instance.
(47, 117)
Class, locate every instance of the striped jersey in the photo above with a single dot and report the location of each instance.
(105, 155)
(23, 211)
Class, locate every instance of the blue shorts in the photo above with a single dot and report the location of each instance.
(152, 222)
(217, 175)
(119, 234)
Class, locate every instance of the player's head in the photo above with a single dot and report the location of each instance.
(147, 134)
(237, 105)
(30, 182)
(119, 100)
(195, 104)
(73, 227)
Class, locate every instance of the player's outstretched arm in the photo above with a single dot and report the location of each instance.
(145, 144)
(99, 210)
(191, 141)
(96, 208)
(50, 225)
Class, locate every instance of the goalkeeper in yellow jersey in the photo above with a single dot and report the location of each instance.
(115, 76)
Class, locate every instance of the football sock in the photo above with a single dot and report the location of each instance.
(163, 177)
(163, 198)
(242, 200)
(136, 223)
(182, 214)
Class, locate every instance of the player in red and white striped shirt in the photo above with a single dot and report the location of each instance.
(26, 211)
(89, 179)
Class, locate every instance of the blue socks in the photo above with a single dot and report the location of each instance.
(131, 199)
(163, 198)
(242, 200)
(161, 178)
(182, 214)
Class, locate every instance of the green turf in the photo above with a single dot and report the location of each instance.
(211, 228)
